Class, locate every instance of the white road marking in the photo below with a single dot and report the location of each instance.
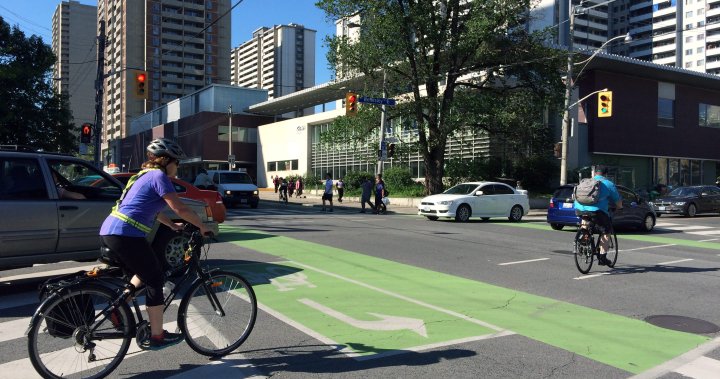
(677, 261)
(682, 360)
(518, 262)
(223, 368)
(706, 232)
(691, 227)
(14, 329)
(701, 368)
(647, 247)
(708, 240)
(591, 276)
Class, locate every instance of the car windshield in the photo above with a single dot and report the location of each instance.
(684, 191)
(462, 189)
(235, 177)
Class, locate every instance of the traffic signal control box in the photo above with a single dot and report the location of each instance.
(351, 104)
(140, 84)
(86, 133)
(605, 104)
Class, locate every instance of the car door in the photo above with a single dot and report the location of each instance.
(712, 196)
(80, 219)
(504, 199)
(29, 222)
(486, 204)
(630, 214)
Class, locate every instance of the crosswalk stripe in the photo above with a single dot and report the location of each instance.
(701, 368)
(706, 232)
(11, 330)
(235, 368)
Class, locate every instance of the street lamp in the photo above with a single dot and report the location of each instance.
(569, 87)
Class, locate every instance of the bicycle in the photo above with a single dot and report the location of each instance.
(85, 325)
(586, 248)
(283, 197)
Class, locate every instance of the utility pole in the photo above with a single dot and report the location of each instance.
(382, 150)
(99, 94)
(231, 157)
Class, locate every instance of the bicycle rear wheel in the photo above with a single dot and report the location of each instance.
(218, 315)
(583, 251)
(612, 253)
(70, 338)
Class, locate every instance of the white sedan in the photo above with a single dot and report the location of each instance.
(476, 199)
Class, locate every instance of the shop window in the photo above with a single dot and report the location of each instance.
(666, 112)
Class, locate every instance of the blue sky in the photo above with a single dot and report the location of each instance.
(35, 17)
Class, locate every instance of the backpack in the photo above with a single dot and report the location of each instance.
(587, 192)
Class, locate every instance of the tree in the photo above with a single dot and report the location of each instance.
(453, 65)
(31, 113)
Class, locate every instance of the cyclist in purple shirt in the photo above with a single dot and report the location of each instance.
(125, 229)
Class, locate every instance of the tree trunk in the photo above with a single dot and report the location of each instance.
(435, 169)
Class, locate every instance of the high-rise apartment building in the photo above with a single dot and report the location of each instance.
(183, 46)
(280, 59)
(74, 44)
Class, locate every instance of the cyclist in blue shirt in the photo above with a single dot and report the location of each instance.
(603, 222)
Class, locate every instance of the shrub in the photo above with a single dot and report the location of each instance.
(354, 179)
(397, 178)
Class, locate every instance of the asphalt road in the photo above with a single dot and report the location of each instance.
(353, 295)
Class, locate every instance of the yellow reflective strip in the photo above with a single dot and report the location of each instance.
(140, 226)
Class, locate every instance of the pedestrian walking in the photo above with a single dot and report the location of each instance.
(367, 187)
(299, 186)
(276, 182)
(291, 187)
(328, 194)
(340, 185)
(379, 193)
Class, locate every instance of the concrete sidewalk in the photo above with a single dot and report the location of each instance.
(397, 205)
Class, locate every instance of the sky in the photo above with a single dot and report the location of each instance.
(35, 17)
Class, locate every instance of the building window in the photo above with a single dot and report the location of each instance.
(700, 11)
(700, 37)
(688, 14)
(701, 23)
(688, 39)
(666, 112)
(688, 64)
(700, 62)
(700, 49)
(709, 116)
(688, 51)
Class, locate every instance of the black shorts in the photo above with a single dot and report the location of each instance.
(138, 256)
(603, 223)
(327, 196)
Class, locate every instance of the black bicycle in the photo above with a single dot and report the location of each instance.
(587, 248)
(85, 325)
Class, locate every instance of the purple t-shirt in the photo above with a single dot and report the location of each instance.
(142, 204)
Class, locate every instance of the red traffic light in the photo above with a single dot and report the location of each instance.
(86, 133)
(140, 78)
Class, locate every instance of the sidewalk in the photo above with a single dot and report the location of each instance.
(397, 204)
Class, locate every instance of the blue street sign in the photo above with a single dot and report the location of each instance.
(377, 100)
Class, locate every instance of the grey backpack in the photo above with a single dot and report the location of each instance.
(587, 192)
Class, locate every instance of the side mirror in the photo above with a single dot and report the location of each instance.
(479, 193)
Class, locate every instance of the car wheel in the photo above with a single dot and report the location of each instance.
(557, 226)
(432, 218)
(463, 213)
(648, 223)
(516, 214)
(169, 247)
(691, 210)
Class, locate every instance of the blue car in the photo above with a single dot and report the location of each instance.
(636, 213)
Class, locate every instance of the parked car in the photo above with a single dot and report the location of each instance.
(235, 187)
(40, 226)
(636, 212)
(689, 201)
(189, 191)
(476, 199)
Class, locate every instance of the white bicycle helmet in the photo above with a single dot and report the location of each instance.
(163, 147)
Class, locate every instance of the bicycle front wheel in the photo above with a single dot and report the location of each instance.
(583, 251)
(612, 253)
(70, 337)
(218, 314)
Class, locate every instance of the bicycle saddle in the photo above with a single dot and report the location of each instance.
(109, 257)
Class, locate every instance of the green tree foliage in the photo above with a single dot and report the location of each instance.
(30, 112)
(451, 65)
(354, 179)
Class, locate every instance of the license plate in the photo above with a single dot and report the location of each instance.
(661, 208)
(242, 201)
(567, 205)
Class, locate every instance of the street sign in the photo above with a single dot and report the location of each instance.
(377, 100)
(231, 160)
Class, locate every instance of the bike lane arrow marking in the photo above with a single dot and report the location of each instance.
(385, 323)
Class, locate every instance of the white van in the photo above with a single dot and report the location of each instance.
(235, 187)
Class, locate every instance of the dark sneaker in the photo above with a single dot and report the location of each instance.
(168, 339)
(603, 261)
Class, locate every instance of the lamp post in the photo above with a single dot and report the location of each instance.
(381, 136)
(569, 87)
(231, 157)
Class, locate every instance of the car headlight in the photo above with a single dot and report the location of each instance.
(228, 193)
(255, 192)
(679, 203)
(445, 202)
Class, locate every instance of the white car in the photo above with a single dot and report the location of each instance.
(476, 199)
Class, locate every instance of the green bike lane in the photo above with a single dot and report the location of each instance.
(370, 306)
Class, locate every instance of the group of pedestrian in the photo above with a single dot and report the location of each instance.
(288, 187)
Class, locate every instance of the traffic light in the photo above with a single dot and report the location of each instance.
(140, 80)
(351, 104)
(86, 133)
(605, 104)
(391, 150)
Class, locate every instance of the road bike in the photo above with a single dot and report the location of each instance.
(586, 248)
(85, 325)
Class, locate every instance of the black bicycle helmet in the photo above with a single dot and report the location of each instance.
(163, 147)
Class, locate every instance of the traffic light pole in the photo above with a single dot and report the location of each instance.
(99, 94)
(381, 136)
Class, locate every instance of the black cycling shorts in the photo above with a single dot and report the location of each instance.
(327, 196)
(138, 256)
(603, 223)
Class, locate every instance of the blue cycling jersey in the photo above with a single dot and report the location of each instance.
(608, 192)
